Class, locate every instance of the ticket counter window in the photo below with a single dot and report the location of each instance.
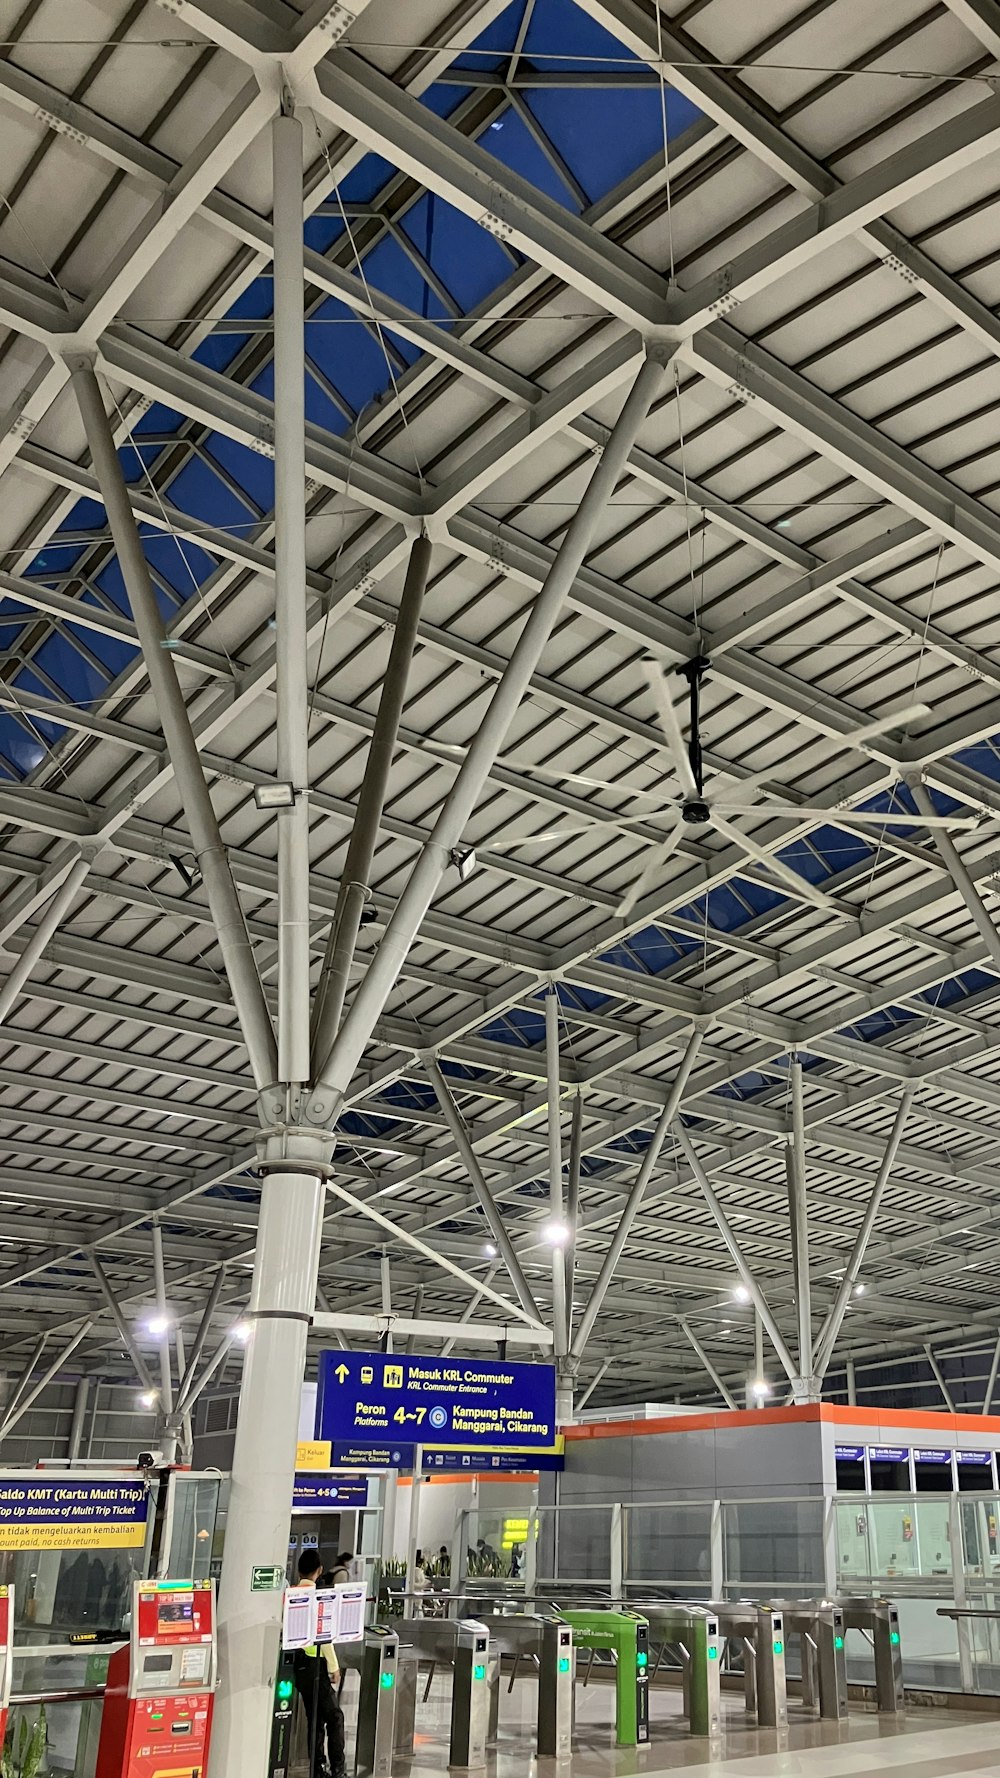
(851, 1469)
(933, 1472)
(976, 1472)
(890, 1470)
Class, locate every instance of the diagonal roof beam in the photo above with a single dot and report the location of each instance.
(982, 18)
(725, 100)
(374, 110)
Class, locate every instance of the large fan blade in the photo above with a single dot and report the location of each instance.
(774, 865)
(671, 726)
(792, 811)
(557, 775)
(656, 862)
(893, 719)
(600, 819)
(506, 842)
(854, 738)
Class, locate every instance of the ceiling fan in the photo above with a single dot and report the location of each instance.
(693, 808)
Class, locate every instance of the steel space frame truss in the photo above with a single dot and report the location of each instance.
(347, 93)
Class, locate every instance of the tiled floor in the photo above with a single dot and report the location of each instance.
(926, 1744)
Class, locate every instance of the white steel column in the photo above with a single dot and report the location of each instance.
(700, 1353)
(295, 1161)
(334, 1074)
(51, 917)
(167, 1425)
(722, 1224)
(557, 1208)
(291, 682)
(991, 1382)
(616, 1246)
(827, 1339)
(799, 1208)
(79, 1415)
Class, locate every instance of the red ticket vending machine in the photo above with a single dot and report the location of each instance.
(6, 1654)
(157, 1714)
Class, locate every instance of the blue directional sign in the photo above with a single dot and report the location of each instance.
(490, 1462)
(463, 1404)
(355, 1454)
(319, 1493)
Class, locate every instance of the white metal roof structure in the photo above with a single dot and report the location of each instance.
(794, 208)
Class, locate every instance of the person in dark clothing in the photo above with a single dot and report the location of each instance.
(316, 1673)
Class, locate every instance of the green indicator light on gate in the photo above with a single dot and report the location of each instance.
(838, 1642)
(642, 1660)
(285, 1689)
(779, 1648)
(479, 1672)
(564, 1665)
(894, 1637)
(387, 1682)
(713, 1653)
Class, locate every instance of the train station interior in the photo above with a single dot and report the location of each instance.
(499, 888)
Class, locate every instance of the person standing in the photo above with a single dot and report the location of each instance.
(316, 1675)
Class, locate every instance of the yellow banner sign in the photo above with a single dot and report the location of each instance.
(314, 1454)
(72, 1537)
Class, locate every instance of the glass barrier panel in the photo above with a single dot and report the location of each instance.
(195, 1513)
(854, 1545)
(668, 1549)
(773, 1544)
(497, 1543)
(58, 1592)
(894, 1547)
(979, 1517)
(67, 1730)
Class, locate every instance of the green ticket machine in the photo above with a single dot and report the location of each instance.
(626, 1636)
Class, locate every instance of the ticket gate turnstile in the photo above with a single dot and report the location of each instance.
(694, 1631)
(821, 1631)
(464, 1644)
(762, 1629)
(157, 1714)
(879, 1620)
(626, 1636)
(375, 1739)
(550, 1644)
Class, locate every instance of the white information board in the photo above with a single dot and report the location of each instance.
(315, 1615)
(298, 1622)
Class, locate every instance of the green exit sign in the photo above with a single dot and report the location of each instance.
(267, 1580)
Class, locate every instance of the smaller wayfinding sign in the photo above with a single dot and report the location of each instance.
(266, 1579)
(319, 1493)
(451, 1404)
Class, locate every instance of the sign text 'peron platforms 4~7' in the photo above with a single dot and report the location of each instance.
(448, 1403)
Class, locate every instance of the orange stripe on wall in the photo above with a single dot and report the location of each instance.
(830, 1413)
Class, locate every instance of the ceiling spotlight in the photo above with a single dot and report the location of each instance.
(158, 1324)
(741, 1294)
(464, 862)
(147, 1399)
(859, 1290)
(274, 796)
(761, 1388)
(555, 1233)
(242, 1332)
(490, 1251)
